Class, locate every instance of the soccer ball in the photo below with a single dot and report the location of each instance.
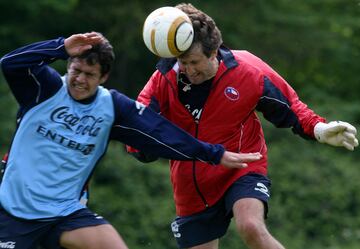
(168, 32)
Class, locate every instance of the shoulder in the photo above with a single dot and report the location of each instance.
(121, 102)
(255, 65)
(242, 60)
(247, 59)
(116, 95)
(242, 63)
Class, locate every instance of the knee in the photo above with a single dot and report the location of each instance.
(251, 229)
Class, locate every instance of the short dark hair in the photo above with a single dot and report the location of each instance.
(205, 30)
(102, 53)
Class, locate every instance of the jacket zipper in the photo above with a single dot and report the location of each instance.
(196, 136)
(194, 171)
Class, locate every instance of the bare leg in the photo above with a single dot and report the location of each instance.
(93, 237)
(249, 220)
(209, 245)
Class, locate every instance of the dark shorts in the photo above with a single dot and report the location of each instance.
(29, 234)
(213, 222)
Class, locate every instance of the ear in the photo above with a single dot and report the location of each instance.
(68, 63)
(214, 54)
(104, 78)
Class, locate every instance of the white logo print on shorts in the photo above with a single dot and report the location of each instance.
(175, 229)
(7, 244)
(262, 188)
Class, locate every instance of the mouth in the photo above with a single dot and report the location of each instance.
(78, 87)
(193, 76)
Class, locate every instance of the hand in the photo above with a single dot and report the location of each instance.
(336, 133)
(78, 43)
(238, 160)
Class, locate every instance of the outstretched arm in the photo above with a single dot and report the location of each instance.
(143, 129)
(228, 159)
(238, 160)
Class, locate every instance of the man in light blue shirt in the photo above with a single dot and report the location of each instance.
(64, 127)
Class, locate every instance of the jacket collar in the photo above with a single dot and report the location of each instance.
(227, 57)
(166, 64)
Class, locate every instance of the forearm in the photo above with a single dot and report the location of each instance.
(35, 54)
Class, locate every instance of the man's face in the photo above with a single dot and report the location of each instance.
(83, 79)
(197, 66)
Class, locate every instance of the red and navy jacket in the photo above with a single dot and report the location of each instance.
(243, 85)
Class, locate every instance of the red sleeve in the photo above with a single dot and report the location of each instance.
(281, 105)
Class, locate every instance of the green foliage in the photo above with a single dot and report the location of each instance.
(317, 187)
(315, 45)
(7, 116)
(305, 41)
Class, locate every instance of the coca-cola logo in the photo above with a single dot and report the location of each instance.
(85, 125)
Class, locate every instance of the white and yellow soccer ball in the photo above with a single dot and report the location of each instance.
(168, 32)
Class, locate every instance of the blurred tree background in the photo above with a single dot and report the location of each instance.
(315, 45)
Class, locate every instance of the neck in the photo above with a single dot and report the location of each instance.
(214, 65)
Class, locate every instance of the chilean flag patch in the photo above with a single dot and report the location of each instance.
(231, 93)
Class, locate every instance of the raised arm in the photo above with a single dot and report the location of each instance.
(26, 71)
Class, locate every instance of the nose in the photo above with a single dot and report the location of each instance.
(188, 69)
(81, 77)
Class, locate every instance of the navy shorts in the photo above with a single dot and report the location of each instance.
(213, 222)
(29, 234)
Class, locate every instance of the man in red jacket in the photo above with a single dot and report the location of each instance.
(213, 92)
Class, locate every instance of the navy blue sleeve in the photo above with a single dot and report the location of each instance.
(29, 77)
(151, 133)
(276, 108)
